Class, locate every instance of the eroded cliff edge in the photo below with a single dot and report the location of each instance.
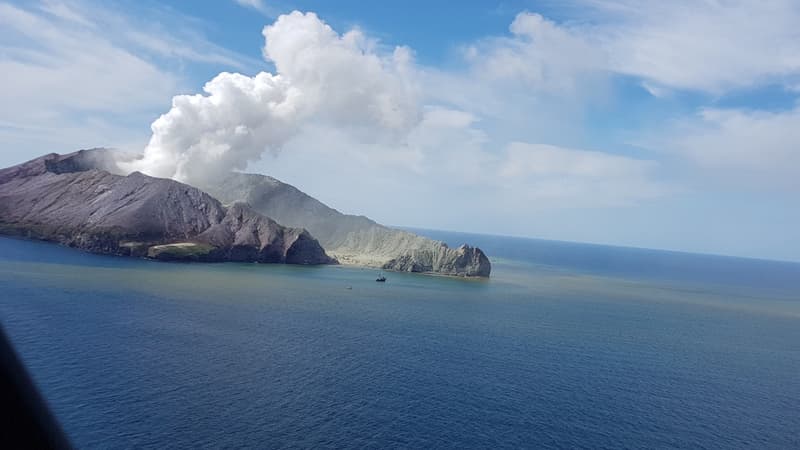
(351, 239)
(75, 200)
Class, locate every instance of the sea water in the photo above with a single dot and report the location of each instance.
(567, 345)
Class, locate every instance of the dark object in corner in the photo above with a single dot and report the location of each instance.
(25, 419)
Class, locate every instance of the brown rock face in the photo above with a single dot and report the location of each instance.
(67, 199)
(354, 239)
(248, 236)
(464, 261)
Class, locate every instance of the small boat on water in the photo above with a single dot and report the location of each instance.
(381, 278)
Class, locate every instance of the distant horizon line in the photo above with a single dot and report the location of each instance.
(599, 244)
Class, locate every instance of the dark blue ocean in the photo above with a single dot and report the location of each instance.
(568, 345)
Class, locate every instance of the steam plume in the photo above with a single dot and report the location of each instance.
(320, 75)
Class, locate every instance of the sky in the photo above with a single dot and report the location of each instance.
(671, 125)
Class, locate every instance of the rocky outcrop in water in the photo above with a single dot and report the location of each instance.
(351, 239)
(75, 200)
(462, 261)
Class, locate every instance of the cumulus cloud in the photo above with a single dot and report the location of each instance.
(341, 80)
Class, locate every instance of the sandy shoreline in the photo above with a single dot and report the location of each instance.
(356, 260)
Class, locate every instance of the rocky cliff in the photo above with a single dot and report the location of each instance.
(461, 261)
(75, 200)
(351, 239)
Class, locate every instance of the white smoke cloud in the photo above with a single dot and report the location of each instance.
(320, 75)
(207, 135)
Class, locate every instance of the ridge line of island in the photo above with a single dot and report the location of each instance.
(84, 200)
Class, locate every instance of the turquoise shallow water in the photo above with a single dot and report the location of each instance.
(567, 345)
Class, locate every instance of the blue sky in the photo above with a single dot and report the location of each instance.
(653, 124)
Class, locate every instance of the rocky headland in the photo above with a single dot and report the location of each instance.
(351, 239)
(76, 200)
(84, 200)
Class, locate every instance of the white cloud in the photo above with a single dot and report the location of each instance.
(757, 147)
(541, 53)
(67, 65)
(549, 175)
(446, 169)
(709, 46)
(655, 90)
(259, 6)
(181, 48)
(347, 112)
(344, 106)
(550, 160)
(65, 12)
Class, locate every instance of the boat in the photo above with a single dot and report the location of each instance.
(381, 278)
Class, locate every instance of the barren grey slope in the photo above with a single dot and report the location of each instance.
(66, 199)
(351, 239)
